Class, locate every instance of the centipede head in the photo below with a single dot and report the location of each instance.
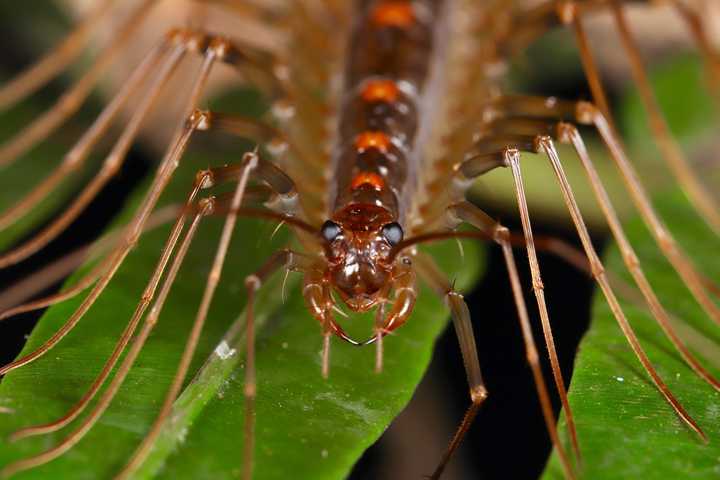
(359, 240)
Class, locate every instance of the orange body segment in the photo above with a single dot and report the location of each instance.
(372, 179)
(380, 91)
(368, 140)
(399, 14)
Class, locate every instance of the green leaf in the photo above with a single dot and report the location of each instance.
(625, 427)
(304, 423)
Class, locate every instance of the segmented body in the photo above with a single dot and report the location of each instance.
(384, 113)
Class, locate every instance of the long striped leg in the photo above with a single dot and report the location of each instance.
(202, 180)
(284, 259)
(471, 214)
(461, 319)
(250, 161)
(709, 52)
(485, 157)
(124, 368)
(531, 133)
(570, 12)
(60, 269)
(206, 207)
(71, 101)
(110, 167)
(432, 275)
(570, 134)
(164, 173)
(674, 157)
(182, 41)
(282, 191)
(598, 271)
(698, 195)
(587, 114)
(667, 243)
(74, 159)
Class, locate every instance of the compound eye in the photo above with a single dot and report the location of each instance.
(330, 231)
(393, 233)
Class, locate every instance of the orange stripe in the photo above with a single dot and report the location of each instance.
(380, 91)
(398, 14)
(367, 178)
(367, 140)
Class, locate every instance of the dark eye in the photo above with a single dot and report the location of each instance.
(330, 231)
(393, 233)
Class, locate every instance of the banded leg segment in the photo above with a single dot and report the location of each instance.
(588, 114)
(163, 176)
(710, 54)
(147, 297)
(110, 167)
(173, 48)
(179, 43)
(568, 133)
(76, 157)
(466, 212)
(249, 163)
(283, 260)
(676, 160)
(431, 274)
(125, 365)
(598, 273)
(570, 12)
(204, 179)
(674, 157)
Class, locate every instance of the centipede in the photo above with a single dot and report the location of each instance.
(381, 116)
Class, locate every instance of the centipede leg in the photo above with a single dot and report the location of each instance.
(479, 162)
(674, 157)
(125, 366)
(76, 157)
(61, 268)
(71, 100)
(598, 272)
(162, 177)
(249, 162)
(109, 169)
(588, 114)
(667, 243)
(287, 260)
(466, 338)
(201, 181)
(431, 274)
(698, 195)
(47, 68)
(570, 134)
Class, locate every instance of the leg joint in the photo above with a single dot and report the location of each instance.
(501, 234)
(253, 282)
(478, 394)
(199, 120)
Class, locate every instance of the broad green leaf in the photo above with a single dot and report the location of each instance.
(304, 423)
(626, 428)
